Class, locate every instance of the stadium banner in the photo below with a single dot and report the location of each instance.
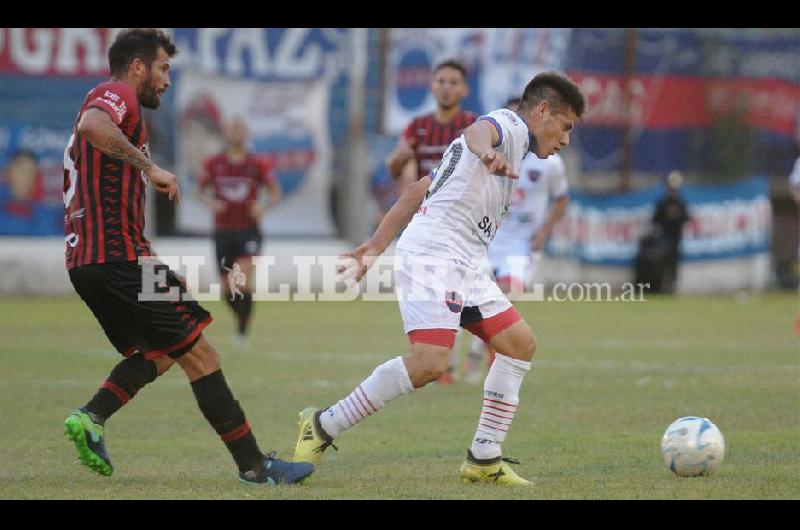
(280, 80)
(287, 123)
(499, 61)
(726, 221)
(686, 83)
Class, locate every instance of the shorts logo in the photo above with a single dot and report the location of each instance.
(454, 301)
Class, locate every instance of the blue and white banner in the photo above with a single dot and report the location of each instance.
(287, 123)
(726, 221)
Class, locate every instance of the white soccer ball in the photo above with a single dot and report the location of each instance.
(692, 447)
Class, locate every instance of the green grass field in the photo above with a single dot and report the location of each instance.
(606, 381)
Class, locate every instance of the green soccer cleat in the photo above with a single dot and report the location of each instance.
(313, 439)
(494, 471)
(88, 438)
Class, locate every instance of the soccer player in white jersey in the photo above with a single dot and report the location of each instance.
(524, 234)
(794, 184)
(440, 283)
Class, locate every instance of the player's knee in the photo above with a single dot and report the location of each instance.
(200, 361)
(437, 367)
(523, 345)
(426, 364)
(163, 364)
(526, 346)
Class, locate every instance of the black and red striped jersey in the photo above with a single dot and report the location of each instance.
(429, 138)
(237, 185)
(104, 197)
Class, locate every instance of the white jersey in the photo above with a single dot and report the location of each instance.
(465, 204)
(539, 180)
(794, 177)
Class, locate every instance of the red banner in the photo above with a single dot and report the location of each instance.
(678, 102)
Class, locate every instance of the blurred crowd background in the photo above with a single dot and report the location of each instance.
(325, 106)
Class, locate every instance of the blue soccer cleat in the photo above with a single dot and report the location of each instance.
(274, 471)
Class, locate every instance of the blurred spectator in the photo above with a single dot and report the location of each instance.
(657, 259)
(21, 193)
(23, 184)
(670, 216)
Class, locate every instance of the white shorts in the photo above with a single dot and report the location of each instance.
(516, 263)
(439, 293)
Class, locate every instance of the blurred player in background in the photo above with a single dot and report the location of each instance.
(422, 144)
(236, 177)
(106, 169)
(524, 233)
(452, 216)
(794, 184)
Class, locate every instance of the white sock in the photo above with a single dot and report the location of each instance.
(386, 382)
(500, 400)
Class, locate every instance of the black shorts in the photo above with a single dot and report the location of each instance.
(233, 244)
(152, 328)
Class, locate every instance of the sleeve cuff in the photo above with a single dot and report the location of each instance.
(496, 126)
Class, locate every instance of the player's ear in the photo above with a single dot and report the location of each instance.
(138, 66)
(543, 108)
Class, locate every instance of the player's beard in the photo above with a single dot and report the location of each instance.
(149, 94)
(446, 106)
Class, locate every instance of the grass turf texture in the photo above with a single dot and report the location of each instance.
(607, 379)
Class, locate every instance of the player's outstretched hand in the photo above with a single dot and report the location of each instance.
(357, 263)
(165, 182)
(497, 164)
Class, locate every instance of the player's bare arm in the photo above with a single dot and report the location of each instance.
(480, 137)
(555, 214)
(104, 134)
(402, 155)
(397, 218)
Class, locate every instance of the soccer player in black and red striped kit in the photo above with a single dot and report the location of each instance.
(236, 176)
(425, 139)
(106, 169)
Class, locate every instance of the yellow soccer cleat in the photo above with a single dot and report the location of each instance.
(313, 439)
(495, 471)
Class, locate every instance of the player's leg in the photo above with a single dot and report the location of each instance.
(426, 361)
(511, 281)
(226, 417)
(248, 244)
(106, 289)
(505, 331)
(225, 260)
(430, 305)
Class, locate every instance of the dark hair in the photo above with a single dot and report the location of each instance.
(454, 64)
(142, 43)
(557, 89)
(513, 100)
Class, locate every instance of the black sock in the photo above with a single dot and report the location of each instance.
(125, 380)
(243, 307)
(227, 418)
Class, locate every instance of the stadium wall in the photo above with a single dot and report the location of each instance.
(35, 266)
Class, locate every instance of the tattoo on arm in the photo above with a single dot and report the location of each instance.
(119, 147)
